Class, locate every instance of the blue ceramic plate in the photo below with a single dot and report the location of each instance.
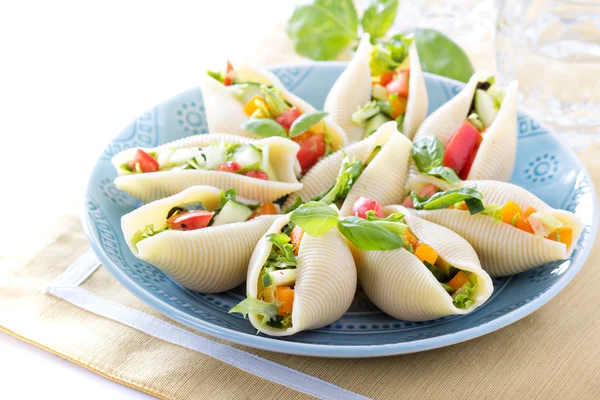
(544, 166)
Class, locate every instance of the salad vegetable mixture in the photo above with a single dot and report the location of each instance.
(368, 215)
(460, 150)
(390, 74)
(250, 160)
(540, 223)
(271, 115)
(193, 215)
(277, 278)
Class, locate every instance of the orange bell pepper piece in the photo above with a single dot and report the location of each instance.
(398, 105)
(459, 279)
(285, 295)
(252, 105)
(412, 240)
(296, 237)
(523, 222)
(565, 235)
(509, 211)
(264, 209)
(425, 253)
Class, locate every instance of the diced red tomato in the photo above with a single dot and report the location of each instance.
(258, 175)
(229, 166)
(296, 237)
(227, 81)
(399, 85)
(464, 173)
(288, 117)
(460, 147)
(363, 204)
(311, 150)
(146, 162)
(189, 221)
(428, 190)
(386, 78)
(303, 137)
(267, 208)
(408, 203)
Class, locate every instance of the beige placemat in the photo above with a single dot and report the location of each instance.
(553, 353)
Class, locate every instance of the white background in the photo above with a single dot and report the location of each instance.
(72, 75)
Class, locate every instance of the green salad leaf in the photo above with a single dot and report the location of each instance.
(444, 173)
(315, 217)
(440, 55)
(264, 127)
(463, 297)
(378, 17)
(368, 235)
(442, 200)
(251, 305)
(147, 232)
(322, 29)
(350, 171)
(427, 153)
(282, 254)
(305, 122)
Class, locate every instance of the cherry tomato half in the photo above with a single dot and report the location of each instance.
(146, 162)
(363, 204)
(189, 221)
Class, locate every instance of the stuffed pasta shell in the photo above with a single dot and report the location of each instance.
(253, 102)
(298, 282)
(202, 237)
(490, 213)
(261, 170)
(375, 167)
(383, 82)
(476, 131)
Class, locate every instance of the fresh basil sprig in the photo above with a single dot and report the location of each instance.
(324, 28)
(305, 122)
(368, 235)
(442, 200)
(264, 127)
(428, 155)
(315, 217)
(379, 17)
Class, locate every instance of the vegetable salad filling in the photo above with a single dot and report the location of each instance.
(250, 160)
(193, 215)
(540, 223)
(390, 74)
(349, 173)
(277, 278)
(369, 216)
(271, 115)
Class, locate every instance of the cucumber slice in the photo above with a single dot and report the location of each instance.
(245, 91)
(374, 123)
(485, 107)
(247, 155)
(232, 212)
(379, 92)
(283, 277)
(212, 156)
(439, 275)
(265, 164)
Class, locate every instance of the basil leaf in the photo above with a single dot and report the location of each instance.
(442, 200)
(475, 206)
(315, 217)
(305, 122)
(378, 17)
(323, 29)
(444, 173)
(264, 127)
(193, 206)
(427, 153)
(399, 46)
(368, 235)
(440, 55)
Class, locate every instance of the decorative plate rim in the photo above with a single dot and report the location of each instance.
(351, 351)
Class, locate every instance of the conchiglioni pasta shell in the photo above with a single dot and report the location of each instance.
(383, 180)
(502, 248)
(156, 185)
(353, 90)
(497, 153)
(399, 284)
(225, 113)
(325, 285)
(208, 260)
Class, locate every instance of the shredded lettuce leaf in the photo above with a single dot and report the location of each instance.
(251, 305)
(543, 223)
(493, 210)
(282, 254)
(349, 172)
(365, 112)
(147, 232)
(463, 298)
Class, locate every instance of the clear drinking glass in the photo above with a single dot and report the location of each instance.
(553, 48)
